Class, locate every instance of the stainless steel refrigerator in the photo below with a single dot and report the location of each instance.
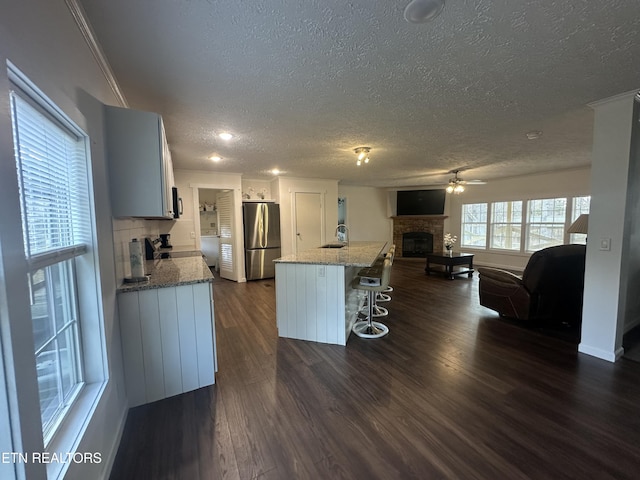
(261, 238)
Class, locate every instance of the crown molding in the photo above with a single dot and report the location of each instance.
(90, 37)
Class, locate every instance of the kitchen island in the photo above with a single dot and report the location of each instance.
(314, 298)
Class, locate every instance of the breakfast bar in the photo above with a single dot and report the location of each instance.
(314, 298)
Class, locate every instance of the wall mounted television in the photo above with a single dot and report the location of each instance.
(421, 202)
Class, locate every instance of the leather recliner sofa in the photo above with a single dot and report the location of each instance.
(550, 290)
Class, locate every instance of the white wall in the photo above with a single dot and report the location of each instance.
(545, 185)
(41, 39)
(367, 216)
(607, 277)
(254, 188)
(284, 190)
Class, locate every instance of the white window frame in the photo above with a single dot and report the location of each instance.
(553, 223)
(576, 211)
(494, 225)
(472, 224)
(71, 428)
(571, 213)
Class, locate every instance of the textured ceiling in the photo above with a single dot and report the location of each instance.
(301, 84)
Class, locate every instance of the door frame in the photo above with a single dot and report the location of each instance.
(238, 231)
(323, 220)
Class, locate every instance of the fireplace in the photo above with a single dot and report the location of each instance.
(431, 224)
(417, 244)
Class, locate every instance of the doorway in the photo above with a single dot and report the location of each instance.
(308, 218)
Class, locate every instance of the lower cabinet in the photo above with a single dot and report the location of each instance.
(168, 341)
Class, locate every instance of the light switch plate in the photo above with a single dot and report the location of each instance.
(605, 244)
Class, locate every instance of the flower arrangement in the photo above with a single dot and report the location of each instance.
(449, 240)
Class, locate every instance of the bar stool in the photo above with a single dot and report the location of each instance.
(374, 271)
(368, 328)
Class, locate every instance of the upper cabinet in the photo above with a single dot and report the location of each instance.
(140, 167)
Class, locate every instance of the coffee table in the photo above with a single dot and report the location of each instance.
(450, 260)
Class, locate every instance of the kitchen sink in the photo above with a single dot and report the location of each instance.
(333, 245)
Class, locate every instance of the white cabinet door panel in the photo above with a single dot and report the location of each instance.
(152, 345)
(170, 334)
(131, 335)
(188, 338)
(204, 333)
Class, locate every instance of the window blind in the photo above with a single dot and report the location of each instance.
(53, 184)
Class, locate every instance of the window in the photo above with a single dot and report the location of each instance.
(522, 226)
(474, 225)
(579, 206)
(54, 197)
(506, 225)
(546, 223)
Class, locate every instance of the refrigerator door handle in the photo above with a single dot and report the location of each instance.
(265, 223)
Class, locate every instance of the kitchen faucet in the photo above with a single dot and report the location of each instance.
(346, 232)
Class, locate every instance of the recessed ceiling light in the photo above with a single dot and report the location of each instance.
(215, 158)
(225, 136)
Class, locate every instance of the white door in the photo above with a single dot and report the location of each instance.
(224, 203)
(308, 227)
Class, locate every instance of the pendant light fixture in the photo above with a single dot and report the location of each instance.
(422, 11)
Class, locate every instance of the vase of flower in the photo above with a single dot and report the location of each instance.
(449, 241)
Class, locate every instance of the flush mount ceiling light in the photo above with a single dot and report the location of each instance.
(275, 171)
(215, 158)
(363, 155)
(225, 136)
(422, 11)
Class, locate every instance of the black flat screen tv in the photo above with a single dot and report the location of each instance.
(421, 202)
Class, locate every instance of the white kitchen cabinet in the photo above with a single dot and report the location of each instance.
(140, 166)
(168, 341)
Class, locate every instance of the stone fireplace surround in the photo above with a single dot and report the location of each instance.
(433, 224)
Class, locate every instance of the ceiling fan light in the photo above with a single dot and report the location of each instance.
(450, 188)
(458, 189)
(366, 160)
(359, 162)
(422, 11)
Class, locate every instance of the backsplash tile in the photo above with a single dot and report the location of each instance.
(125, 230)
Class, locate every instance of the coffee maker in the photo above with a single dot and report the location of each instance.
(164, 239)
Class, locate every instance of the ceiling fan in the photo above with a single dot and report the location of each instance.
(457, 185)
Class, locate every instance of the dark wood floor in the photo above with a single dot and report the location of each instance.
(451, 392)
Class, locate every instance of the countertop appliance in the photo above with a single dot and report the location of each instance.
(165, 239)
(261, 238)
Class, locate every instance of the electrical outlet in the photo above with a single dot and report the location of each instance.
(193, 234)
(321, 271)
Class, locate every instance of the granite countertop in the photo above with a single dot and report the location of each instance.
(357, 254)
(171, 272)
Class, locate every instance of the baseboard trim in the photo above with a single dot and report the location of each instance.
(599, 353)
(113, 451)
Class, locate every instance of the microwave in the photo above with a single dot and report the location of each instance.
(177, 203)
